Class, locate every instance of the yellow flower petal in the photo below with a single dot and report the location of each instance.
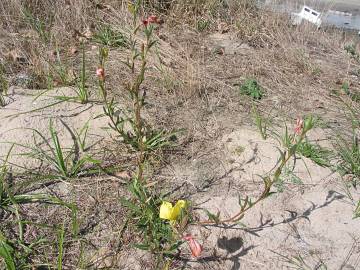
(166, 210)
(177, 209)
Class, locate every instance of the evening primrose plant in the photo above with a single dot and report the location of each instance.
(158, 223)
(302, 127)
(132, 128)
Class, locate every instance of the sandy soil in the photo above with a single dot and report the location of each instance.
(312, 219)
(18, 122)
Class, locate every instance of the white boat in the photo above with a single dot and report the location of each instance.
(307, 14)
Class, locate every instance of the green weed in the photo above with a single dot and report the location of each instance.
(157, 234)
(107, 36)
(59, 71)
(349, 154)
(252, 88)
(315, 152)
(298, 262)
(351, 49)
(133, 129)
(269, 180)
(287, 176)
(355, 96)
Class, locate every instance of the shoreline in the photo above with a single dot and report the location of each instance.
(350, 6)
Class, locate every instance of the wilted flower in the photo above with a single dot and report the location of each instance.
(151, 19)
(299, 126)
(194, 245)
(167, 211)
(145, 22)
(100, 73)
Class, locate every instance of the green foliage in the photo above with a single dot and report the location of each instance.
(157, 234)
(3, 86)
(151, 139)
(346, 88)
(261, 123)
(37, 24)
(107, 36)
(82, 91)
(355, 96)
(64, 164)
(59, 71)
(351, 49)
(315, 152)
(252, 88)
(287, 176)
(202, 24)
(357, 210)
(272, 179)
(349, 154)
(16, 251)
(298, 262)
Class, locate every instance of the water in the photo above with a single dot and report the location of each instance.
(342, 21)
(329, 17)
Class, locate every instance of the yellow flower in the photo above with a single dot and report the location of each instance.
(167, 211)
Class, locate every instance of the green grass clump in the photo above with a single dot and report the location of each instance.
(350, 49)
(349, 154)
(63, 162)
(252, 88)
(107, 36)
(15, 250)
(315, 152)
(40, 26)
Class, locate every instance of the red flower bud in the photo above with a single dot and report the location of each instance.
(299, 126)
(194, 246)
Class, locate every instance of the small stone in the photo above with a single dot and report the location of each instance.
(23, 80)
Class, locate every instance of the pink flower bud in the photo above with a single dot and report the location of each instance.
(299, 126)
(194, 246)
(100, 73)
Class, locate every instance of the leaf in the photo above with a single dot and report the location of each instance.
(61, 234)
(357, 210)
(213, 217)
(142, 246)
(131, 8)
(6, 252)
(130, 205)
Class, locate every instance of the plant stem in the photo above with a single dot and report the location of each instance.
(268, 184)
